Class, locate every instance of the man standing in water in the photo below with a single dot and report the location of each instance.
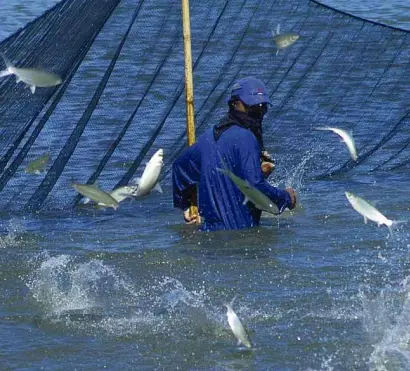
(237, 139)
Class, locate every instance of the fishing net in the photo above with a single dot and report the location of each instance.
(122, 96)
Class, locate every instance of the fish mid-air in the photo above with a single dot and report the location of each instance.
(122, 193)
(149, 178)
(30, 76)
(38, 165)
(97, 195)
(346, 138)
(283, 40)
(237, 327)
(259, 199)
(368, 211)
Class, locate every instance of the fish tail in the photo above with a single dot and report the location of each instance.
(223, 161)
(5, 73)
(223, 171)
(230, 304)
(233, 299)
(6, 60)
(395, 223)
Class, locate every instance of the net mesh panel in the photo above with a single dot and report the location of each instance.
(123, 93)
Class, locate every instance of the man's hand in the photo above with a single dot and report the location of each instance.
(267, 168)
(292, 194)
(191, 219)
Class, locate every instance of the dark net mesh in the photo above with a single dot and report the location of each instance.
(122, 98)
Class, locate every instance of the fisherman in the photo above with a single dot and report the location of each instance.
(235, 143)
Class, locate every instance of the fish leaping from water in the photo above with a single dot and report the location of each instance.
(149, 178)
(33, 77)
(346, 138)
(283, 40)
(237, 327)
(368, 211)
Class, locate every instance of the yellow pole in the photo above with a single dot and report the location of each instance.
(189, 88)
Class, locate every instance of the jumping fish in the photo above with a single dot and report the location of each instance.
(149, 178)
(97, 195)
(346, 138)
(259, 199)
(30, 76)
(368, 211)
(283, 40)
(237, 327)
(38, 165)
(121, 193)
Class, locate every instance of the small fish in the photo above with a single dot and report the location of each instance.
(30, 76)
(149, 178)
(283, 40)
(237, 327)
(38, 165)
(259, 199)
(97, 195)
(346, 138)
(368, 211)
(122, 193)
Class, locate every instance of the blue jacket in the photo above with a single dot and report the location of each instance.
(219, 199)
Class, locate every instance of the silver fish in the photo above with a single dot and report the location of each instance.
(259, 199)
(97, 195)
(30, 76)
(283, 40)
(237, 327)
(346, 138)
(368, 211)
(38, 165)
(149, 178)
(122, 193)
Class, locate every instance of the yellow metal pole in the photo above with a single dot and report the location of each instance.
(189, 88)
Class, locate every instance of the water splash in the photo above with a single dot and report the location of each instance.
(95, 298)
(386, 319)
(293, 177)
(62, 284)
(13, 236)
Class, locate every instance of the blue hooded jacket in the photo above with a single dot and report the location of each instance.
(220, 202)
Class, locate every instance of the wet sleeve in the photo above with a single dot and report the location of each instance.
(249, 155)
(185, 176)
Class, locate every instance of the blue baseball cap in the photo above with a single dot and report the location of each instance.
(250, 91)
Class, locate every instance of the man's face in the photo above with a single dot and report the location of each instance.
(257, 111)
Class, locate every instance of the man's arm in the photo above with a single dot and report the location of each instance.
(185, 176)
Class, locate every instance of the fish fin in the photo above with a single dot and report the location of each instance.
(233, 299)
(17, 79)
(238, 343)
(33, 89)
(365, 220)
(277, 52)
(245, 201)
(86, 200)
(158, 188)
(5, 73)
(278, 29)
